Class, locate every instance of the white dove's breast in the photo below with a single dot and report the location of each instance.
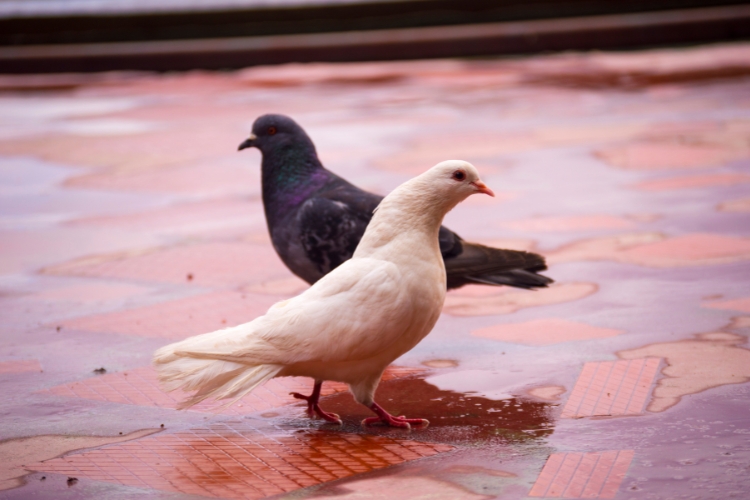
(384, 314)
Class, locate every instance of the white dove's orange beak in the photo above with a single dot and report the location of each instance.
(482, 188)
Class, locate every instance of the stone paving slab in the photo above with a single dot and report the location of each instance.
(235, 460)
(215, 263)
(140, 386)
(179, 319)
(129, 220)
(20, 366)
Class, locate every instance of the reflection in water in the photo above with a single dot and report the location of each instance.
(453, 416)
(235, 459)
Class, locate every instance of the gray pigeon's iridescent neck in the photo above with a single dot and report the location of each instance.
(290, 176)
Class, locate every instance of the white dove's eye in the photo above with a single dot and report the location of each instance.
(458, 175)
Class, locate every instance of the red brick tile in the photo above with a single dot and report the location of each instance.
(599, 475)
(258, 466)
(141, 387)
(611, 388)
(564, 474)
(582, 475)
(617, 474)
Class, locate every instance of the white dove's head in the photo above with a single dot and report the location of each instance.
(421, 202)
(456, 179)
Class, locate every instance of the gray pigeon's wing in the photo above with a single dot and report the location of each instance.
(467, 263)
(451, 244)
(495, 266)
(329, 231)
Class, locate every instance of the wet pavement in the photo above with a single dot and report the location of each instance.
(128, 220)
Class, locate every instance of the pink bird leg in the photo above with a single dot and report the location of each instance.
(388, 419)
(313, 408)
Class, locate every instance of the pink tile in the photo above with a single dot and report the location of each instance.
(92, 292)
(570, 223)
(564, 474)
(20, 366)
(742, 304)
(200, 264)
(480, 301)
(599, 475)
(643, 387)
(550, 470)
(582, 475)
(179, 319)
(691, 249)
(544, 332)
(580, 478)
(204, 216)
(655, 250)
(742, 205)
(694, 181)
(612, 388)
(660, 155)
(617, 474)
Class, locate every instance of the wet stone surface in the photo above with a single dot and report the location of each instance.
(128, 220)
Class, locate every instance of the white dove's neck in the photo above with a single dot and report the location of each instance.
(409, 215)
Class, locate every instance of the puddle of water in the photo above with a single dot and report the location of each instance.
(487, 384)
(455, 417)
(31, 196)
(107, 126)
(31, 115)
(389, 488)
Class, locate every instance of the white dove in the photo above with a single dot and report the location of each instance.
(352, 323)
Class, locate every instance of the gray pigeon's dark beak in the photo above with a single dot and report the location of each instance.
(248, 142)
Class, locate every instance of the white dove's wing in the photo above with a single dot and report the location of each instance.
(356, 314)
(332, 321)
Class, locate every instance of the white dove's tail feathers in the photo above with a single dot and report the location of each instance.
(210, 377)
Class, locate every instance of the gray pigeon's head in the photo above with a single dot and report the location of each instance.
(274, 132)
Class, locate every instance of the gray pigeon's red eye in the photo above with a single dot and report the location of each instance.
(459, 175)
(271, 130)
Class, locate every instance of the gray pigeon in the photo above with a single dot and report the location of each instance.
(316, 218)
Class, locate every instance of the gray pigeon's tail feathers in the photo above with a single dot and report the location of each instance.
(518, 278)
(494, 266)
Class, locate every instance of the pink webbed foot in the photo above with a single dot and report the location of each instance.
(386, 418)
(314, 409)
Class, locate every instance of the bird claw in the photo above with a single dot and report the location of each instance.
(331, 418)
(400, 422)
(386, 418)
(314, 409)
(394, 423)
